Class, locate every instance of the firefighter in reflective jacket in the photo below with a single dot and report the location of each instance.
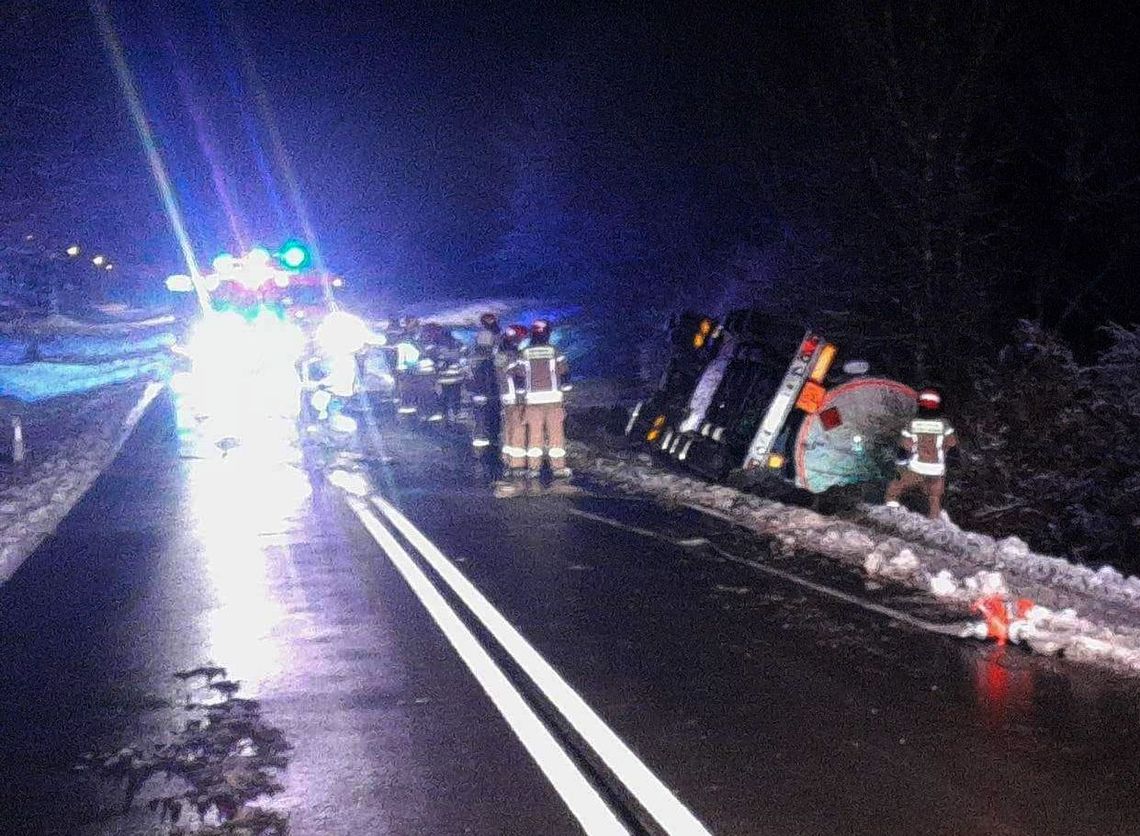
(446, 353)
(545, 374)
(926, 441)
(508, 373)
(485, 389)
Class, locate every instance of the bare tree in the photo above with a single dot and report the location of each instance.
(872, 170)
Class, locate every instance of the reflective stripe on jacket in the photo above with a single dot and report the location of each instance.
(485, 342)
(506, 367)
(927, 440)
(449, 364)
(543, 369)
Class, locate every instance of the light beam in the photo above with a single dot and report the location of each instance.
(129, 89)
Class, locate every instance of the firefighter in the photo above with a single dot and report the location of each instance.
(449, 365)
(926, 441)
(405, 347)
(545, 375)
(511, 381)
(485, 389)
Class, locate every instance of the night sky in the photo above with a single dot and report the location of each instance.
(645, 157)
(406, 125)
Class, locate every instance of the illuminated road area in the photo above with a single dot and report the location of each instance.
(444, 662)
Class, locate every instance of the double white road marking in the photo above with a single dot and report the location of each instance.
(580, 795)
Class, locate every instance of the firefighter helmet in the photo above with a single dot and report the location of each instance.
(929, 399)
(515, 334)
(489, 321)
(540, 331)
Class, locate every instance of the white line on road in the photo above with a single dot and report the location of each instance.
(658, 800)
(690, 542)
(583, 799)
(962, 630)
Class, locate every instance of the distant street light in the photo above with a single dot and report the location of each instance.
(73, 250)
(179, 283)
(98, 261)
(108, 266)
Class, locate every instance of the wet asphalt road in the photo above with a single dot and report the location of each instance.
(765, 709)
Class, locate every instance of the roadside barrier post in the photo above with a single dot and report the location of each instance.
(18, 450)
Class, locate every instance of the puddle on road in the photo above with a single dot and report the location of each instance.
(207, 779)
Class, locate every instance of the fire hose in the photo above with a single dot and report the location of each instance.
(1000, 622)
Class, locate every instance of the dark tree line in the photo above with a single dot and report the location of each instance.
(970, 179)
(931, 172)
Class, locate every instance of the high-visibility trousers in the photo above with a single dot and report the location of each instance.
(514, 436)
(933, 487)
(545, 433)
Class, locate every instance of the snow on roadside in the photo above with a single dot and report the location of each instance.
(33, 503)
(465, 314)
(31, 382)
(58, 323)
(1084, 614)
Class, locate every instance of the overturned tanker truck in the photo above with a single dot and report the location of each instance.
(733, 405)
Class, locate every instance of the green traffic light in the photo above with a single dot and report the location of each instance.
(294, 255)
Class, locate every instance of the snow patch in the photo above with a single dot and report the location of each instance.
(901, 566)
(35, 502)
(1091, 615)
(944, 584)
(30, 382)
(985, 583)
(58, 323)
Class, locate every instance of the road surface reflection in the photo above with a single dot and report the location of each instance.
(244, 485)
